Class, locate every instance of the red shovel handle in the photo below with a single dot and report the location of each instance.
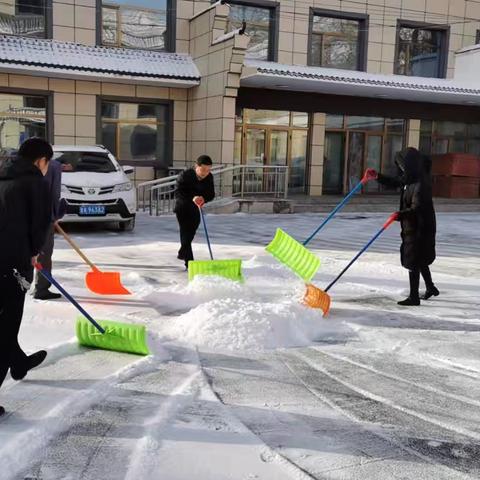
(392, 218)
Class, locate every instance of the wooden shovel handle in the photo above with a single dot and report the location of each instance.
(75, 246)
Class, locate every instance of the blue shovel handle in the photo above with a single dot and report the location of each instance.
(390, 220)
(206, 232)
(357, 187)
(49, 277)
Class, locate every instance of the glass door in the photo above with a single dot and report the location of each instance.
(356, 153)
(273, 145)
(298, 161)
(255, 146)
(373, 159)
(277, 155)
(333, 163)
(255, 150)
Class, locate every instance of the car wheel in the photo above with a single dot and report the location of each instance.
(128, 226)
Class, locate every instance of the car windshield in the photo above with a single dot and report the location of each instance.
(85, 162)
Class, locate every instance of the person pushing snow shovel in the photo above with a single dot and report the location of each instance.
(25, 218)
(417, 219)
(194, 188)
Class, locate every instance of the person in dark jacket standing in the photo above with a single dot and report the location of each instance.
(194, 188)
(417, 219)
(25, 217)
(53, 179)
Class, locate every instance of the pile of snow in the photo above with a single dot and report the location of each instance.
(249, 325)
(265, 312)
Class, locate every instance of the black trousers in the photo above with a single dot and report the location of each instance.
(414, 276)
(12, 300)
(188, 221)
(45, 259)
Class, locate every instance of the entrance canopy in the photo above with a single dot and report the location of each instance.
(276, 76)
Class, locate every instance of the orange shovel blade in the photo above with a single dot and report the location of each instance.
(317, 298)
(105, 283)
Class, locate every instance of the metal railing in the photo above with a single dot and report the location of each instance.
(158, 196)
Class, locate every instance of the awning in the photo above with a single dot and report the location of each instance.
(80, 62)
(276, 76)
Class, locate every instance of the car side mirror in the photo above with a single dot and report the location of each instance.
(128, 170)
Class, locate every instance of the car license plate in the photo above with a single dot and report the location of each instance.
(93, 210)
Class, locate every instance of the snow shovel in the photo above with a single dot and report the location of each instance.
(101, 283)
(293, 254)
(317, 298)
(231, 269)
(105, 334)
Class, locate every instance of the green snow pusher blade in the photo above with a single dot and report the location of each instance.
(231, 269)
(294, 255)
(121, 337)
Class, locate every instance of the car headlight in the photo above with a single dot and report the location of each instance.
(123, 187)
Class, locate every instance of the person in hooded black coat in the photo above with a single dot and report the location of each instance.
(417, 219)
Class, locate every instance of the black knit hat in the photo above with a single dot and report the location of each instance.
(204, 160)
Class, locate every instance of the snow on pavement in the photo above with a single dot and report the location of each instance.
(245, 382)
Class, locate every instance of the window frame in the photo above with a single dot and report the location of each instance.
(49, 114)
(434, 137)
(445, 29)
(48, 24)
(171, 41)
(363, 20)
(273, 36)
(139, 100)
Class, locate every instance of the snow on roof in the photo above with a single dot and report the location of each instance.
(263, 74)
(70, 59)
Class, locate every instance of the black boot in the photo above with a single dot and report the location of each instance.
(2, 411)
(408, 302)
(431, 292)
(47, 296)
(34, 360)
(413, 298)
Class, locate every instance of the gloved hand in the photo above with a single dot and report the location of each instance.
(199, 201)
(371, 174)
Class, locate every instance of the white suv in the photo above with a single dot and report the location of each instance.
(95, 187)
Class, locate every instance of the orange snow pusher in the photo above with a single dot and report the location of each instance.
(318, 298)
(101, 283)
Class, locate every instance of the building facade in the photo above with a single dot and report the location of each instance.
(324, 87)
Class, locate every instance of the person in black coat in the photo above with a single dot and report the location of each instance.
(194, 188)
(417, 218)
(25, 216)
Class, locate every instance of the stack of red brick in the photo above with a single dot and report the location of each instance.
(456, 175)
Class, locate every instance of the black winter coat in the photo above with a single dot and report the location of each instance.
(25, 215)
(189, 186)
(417, 214)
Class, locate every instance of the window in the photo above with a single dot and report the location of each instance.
(354, 143)
(145, 24)
(421, 51)
(21, 117)
(477, 37)
(338, 40)
(260, 27)
(137, 132)
(86, 161)
(449, 137)
(23, 17)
